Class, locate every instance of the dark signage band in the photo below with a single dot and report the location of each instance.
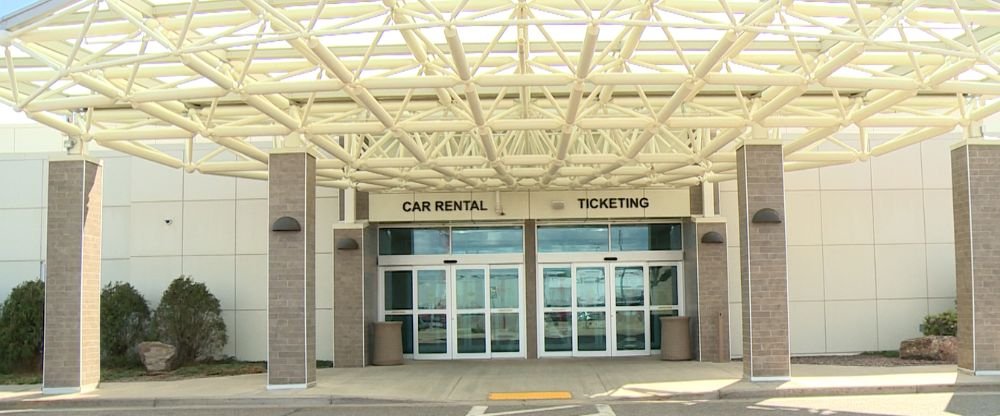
(445, 206)
(613, 203)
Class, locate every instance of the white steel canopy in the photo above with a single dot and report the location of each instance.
(502, 94)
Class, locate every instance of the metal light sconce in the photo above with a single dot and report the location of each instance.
(712, 237)
(347, 244)
(766, 216)
(286, 224)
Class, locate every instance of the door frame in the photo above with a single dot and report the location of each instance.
(451, 310)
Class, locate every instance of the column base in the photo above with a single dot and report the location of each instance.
(291, 386)
(69, 390)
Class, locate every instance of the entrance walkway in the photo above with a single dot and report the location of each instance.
(586, 380)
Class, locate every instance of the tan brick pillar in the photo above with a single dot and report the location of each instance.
(291, 271)
(355, 293)
(72, 356)
(760, 178)
(975, 177)
(707, 261)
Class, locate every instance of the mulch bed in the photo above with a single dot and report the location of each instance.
(863, 360)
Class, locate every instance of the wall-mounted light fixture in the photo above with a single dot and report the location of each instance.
(347, 244)
(766, 216)
(712, 237)
(286, 224)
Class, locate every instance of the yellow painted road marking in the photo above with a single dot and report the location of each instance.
(531, 395)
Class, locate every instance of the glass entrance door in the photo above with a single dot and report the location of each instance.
(603, 309)
(456, 311)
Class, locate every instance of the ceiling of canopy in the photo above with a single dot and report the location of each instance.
(432, 95)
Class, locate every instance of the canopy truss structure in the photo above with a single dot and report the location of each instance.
(503, 94)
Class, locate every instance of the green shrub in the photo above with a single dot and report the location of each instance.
(189, 318)
(124, 323)
(944, 323)
(22, 320)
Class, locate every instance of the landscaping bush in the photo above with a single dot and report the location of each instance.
(22, 320)
(944, 323)
(189, 318)
(125, 319)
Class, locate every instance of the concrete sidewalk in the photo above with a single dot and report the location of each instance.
(587, 380)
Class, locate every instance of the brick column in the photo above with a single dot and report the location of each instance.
(355, 293)
(291, 267)
(72, 356)
(976, 197)
(760, 178)
(713, 292)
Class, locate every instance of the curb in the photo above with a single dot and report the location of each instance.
(323, 401)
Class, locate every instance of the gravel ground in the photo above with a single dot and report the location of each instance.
(865, 360)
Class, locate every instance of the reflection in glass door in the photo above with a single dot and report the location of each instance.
(605, 308)
(456, 311)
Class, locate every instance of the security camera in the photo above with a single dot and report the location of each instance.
(168, 221)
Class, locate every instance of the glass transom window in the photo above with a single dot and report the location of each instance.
(609, 238)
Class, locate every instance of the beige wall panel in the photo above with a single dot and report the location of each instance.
(434, 214)
(38, 140)
(806, 327)
(198, 186)
(251, 188)
(541, 205)
(936, 163)
(28, 227)
(901, 271)
(939, 216)
(151, 276)
(217, 273)
(156, 182)
(23, 183)
(115, 271)
(117, 181)
(635, 195)
(736, 329)
(899, 217)
(251, 226)
(941, 270)
(805, 273)
(515, 206)
(324, 334)
(729, 209)
(251, 335)
(849, 272)
(7, 139)
(16, 272)
(149, 219)
(727, 186)
(938, 305)
(667, 202)
(229, 316)
(802, 180)
(847, 217)
(897, 170)
(115, 233)
(849, 176)
(851, 326)
(803, 218)
(389, 207)
(209, 227)
(324, 279)
(251, 283)
(899, 319)
(327, 213)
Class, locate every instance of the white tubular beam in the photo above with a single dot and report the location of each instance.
(149, 154)
(909, 138)
(708, 199)
(350, 206)
(47, 119)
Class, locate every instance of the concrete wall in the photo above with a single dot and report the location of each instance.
(218, 235)
(870, 250)
(870, 245)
